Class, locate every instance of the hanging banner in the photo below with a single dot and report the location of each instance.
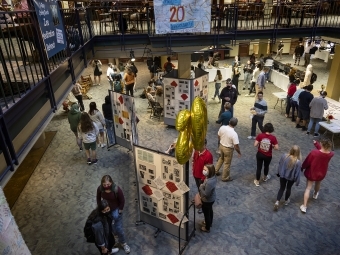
(182, 16)
(51, 26)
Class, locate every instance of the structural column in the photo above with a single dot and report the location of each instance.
(333, 87)
(263, 46)
(184, 65)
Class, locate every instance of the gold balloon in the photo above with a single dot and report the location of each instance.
(182, 120)
(198, 123)
(182, 147)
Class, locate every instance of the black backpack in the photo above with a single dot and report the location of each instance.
(168, 67)
(88, 232)
(313, 78)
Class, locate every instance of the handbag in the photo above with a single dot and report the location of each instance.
(198, 201)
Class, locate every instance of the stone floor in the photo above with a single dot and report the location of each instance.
(53, 207)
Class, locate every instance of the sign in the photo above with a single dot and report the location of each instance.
(182, 16)
(51, 26)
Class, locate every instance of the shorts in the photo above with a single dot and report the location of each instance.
(91, 146)
(303, 114)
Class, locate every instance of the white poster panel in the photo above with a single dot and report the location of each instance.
(161, 185)
(182, 16)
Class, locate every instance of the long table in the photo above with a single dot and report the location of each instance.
(323, 55)
(279, 79)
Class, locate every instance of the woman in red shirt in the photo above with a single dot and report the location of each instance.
(290, 93)
(316, 166)
(265, 143)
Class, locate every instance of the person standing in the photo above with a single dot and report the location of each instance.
(73, 117)
(261, 81)
(109, 73)
(248, 74)
(290, 93)
(265, 143)
(279, 50)
(315, 168)
(218, 82)
(199, 160)
(308, 47)
(168, 66)
(295, 101)
(308, 76)
(236, 76)
(259, 110)
(111, 192)
(97, 70)
(228, 142)
(256, 74)
(135, 71)
(108, 116)
(289, 170)
(102, 228)
(305, 98)
(228, 94)
(88, 132)
(317, 107)
(129, 79)
(269, 65)
(207, 192)
(76, 91)
(98, 118)
(298, 52)
(225, 116)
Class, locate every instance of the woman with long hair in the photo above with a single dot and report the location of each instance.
(289, 172)
(88, 132)
(98, 118)
(129, 79)
(207, 192)
(218, 81)
(102, 228)
(316, 166)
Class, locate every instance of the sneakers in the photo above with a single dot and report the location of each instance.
(205, 230)
(218, 173)
(80, 149)
(103, 145)
(287, 201)
(126, 248)
(307, 133)
(257, 183)
(218, 152)
(199, 211)
(276, 206)
(89, 161)
(315, 195)
(95, 161)
(303, 208)
(298, 126)
(266, 178)
(251, 137)
(114, 250)
(316, 135)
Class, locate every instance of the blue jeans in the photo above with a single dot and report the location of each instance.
(117, 226)
(267, 74)
(311, 122)
(217, 90)
(110, 131)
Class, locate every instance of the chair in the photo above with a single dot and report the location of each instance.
(156, 110)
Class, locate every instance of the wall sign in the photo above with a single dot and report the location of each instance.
(51, 26)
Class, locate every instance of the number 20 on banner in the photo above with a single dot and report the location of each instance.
(177, 13)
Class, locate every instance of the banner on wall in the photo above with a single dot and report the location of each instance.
(182, 16)
(51, 26)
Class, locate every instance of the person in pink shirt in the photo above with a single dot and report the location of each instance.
(315, 167)
(265, 143)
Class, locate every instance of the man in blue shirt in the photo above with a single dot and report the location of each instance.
(259, 110)
(305, 98)
(225, 116)
(261, 81)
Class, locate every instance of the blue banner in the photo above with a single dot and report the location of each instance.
(51, 26)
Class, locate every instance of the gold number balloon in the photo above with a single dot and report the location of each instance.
(192, 128)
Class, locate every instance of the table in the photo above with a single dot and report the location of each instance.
(225, 71)
(332, 127)
(281, 96)
(323, 54)
(279, 80)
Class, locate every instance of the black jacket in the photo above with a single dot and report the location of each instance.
(102, 229)
(107, 109)
(229, 92)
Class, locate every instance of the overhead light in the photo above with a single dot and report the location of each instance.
(132, 55)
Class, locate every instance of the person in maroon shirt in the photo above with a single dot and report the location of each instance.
(109, 191)
(199, 160)
(265, 143)
(290, 93)
(316, 166)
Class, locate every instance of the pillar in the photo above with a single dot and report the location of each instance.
(184, 65)
(333, 88)
(40, 142)
(263, 46)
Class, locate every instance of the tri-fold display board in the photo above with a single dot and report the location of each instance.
(163, 190)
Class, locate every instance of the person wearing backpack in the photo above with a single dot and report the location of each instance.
(117, 84)
(76, 90)
(168, 66)
(98, 229)
(111, 192)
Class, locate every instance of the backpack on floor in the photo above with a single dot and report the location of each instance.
(88, 232)
(313, 78)
(117, 86)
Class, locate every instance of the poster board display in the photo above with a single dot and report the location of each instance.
(124, 119)
(182, 16)
(163, 190)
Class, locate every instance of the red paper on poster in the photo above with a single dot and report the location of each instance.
(120, 99)
(147, 190)
(171, 186)
(196, 83)
(172, 218)
(121, 121)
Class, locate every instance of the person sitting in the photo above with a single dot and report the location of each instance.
(172, 148)
(149, 96)
(159, 96)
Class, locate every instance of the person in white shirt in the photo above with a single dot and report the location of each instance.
(228, 142)
(218, 82)
(192, 72)
(256, 74)
(308, 47)
(109, 73)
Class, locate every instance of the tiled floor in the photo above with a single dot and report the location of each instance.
(54, 205)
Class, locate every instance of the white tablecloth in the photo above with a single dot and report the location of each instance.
(279, 79)
(226, 73)
(324, 55)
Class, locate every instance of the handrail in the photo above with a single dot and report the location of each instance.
(180, 250)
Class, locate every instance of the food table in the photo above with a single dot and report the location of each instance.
(279, 80)
(323, 55)
(281, 96)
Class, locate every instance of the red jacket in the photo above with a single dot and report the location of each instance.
(199, 161)
(316, 164)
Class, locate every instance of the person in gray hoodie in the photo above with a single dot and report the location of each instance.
(207, 192)
(289, 170)
(74, 119)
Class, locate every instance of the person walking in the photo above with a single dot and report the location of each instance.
(225, 116)
(298, 52)
(129, 79)
(102, 228)
(88, 132)
(317, 107)
(256, 74)
(76, 91)
(108, 116)
(265, 143)
(305, 98)
(111, 192)
(218, 81)
(98, 118)
(199, 160)
(307, 49)
(315, 168)
(259, 110)
(279, 50)
(228, 142)
(207, 192)
(228, 94)
(261, 81)
(248, 74)
(97, 70)
(290, 94)
(73, 117)
(289, 170)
